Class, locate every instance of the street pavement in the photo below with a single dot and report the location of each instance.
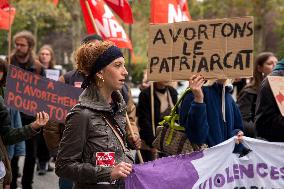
(48, 181)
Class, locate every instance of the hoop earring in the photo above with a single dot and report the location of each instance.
(102, 79)
(100, 82)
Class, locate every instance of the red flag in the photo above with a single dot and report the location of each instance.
(4, 3)
(169, 11)
(7, 15)
(55, 2)
(122, 9)
(105, 23)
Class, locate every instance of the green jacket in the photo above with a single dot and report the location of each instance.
(9, 134)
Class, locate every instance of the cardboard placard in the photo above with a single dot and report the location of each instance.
(31, 93)
(219, 48)
(277, 86)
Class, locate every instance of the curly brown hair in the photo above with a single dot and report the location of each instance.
(26, 35)
(86, 55)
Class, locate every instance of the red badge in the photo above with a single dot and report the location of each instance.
(77, 84)
(105, 159)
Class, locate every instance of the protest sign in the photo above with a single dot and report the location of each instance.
(277, 86)
(52, 74)
(30, 93)
(219, 48)
(216, 167)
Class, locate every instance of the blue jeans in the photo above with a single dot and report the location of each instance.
(65, 183)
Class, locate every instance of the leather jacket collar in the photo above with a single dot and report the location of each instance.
(91, 98)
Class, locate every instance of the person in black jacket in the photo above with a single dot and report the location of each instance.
(11, 135)
(264, 64)
(165, 98)
(269, 122)
(95, 127)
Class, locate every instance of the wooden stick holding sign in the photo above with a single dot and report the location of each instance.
(9, 35)
(152, 90)
(152, 109)
(132, 134)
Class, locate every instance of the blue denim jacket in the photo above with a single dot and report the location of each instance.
(18, 149)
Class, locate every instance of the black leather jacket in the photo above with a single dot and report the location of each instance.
(86, 133)
(269, 122)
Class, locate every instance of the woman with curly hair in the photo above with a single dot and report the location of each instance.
(93, 152)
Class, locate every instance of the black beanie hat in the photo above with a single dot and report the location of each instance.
(90, 38)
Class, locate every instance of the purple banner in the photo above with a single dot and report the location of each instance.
(170, 172)
(215, 167)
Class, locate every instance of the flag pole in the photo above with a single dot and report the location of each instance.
(129, 50)
(9, 35)
(92, 18)
(132, 134)
(152, 91)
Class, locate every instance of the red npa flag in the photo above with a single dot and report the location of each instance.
(105, 23)
(169, 11)
(55, 2)
(7, 14)
(4, 3)
(122, 9)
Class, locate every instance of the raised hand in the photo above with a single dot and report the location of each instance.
(135, 141)
(195, 83)
(41, 119)
(239, 137)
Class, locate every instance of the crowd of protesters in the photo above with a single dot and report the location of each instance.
(98, 123)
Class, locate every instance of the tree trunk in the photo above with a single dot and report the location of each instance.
(35, 33)
(76, 30)
(74, 8)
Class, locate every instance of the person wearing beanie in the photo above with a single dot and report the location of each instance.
(75, 78)
(269, 122)
(91, 37)
(53, 130)
(93, 152)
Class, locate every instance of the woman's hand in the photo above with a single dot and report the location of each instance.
(121, 170)
(41, 119)
(135, 140)
(239, 137)
(196, 83)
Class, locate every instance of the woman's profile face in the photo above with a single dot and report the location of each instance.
(268, 65)
(45, 57)
(115, 74)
